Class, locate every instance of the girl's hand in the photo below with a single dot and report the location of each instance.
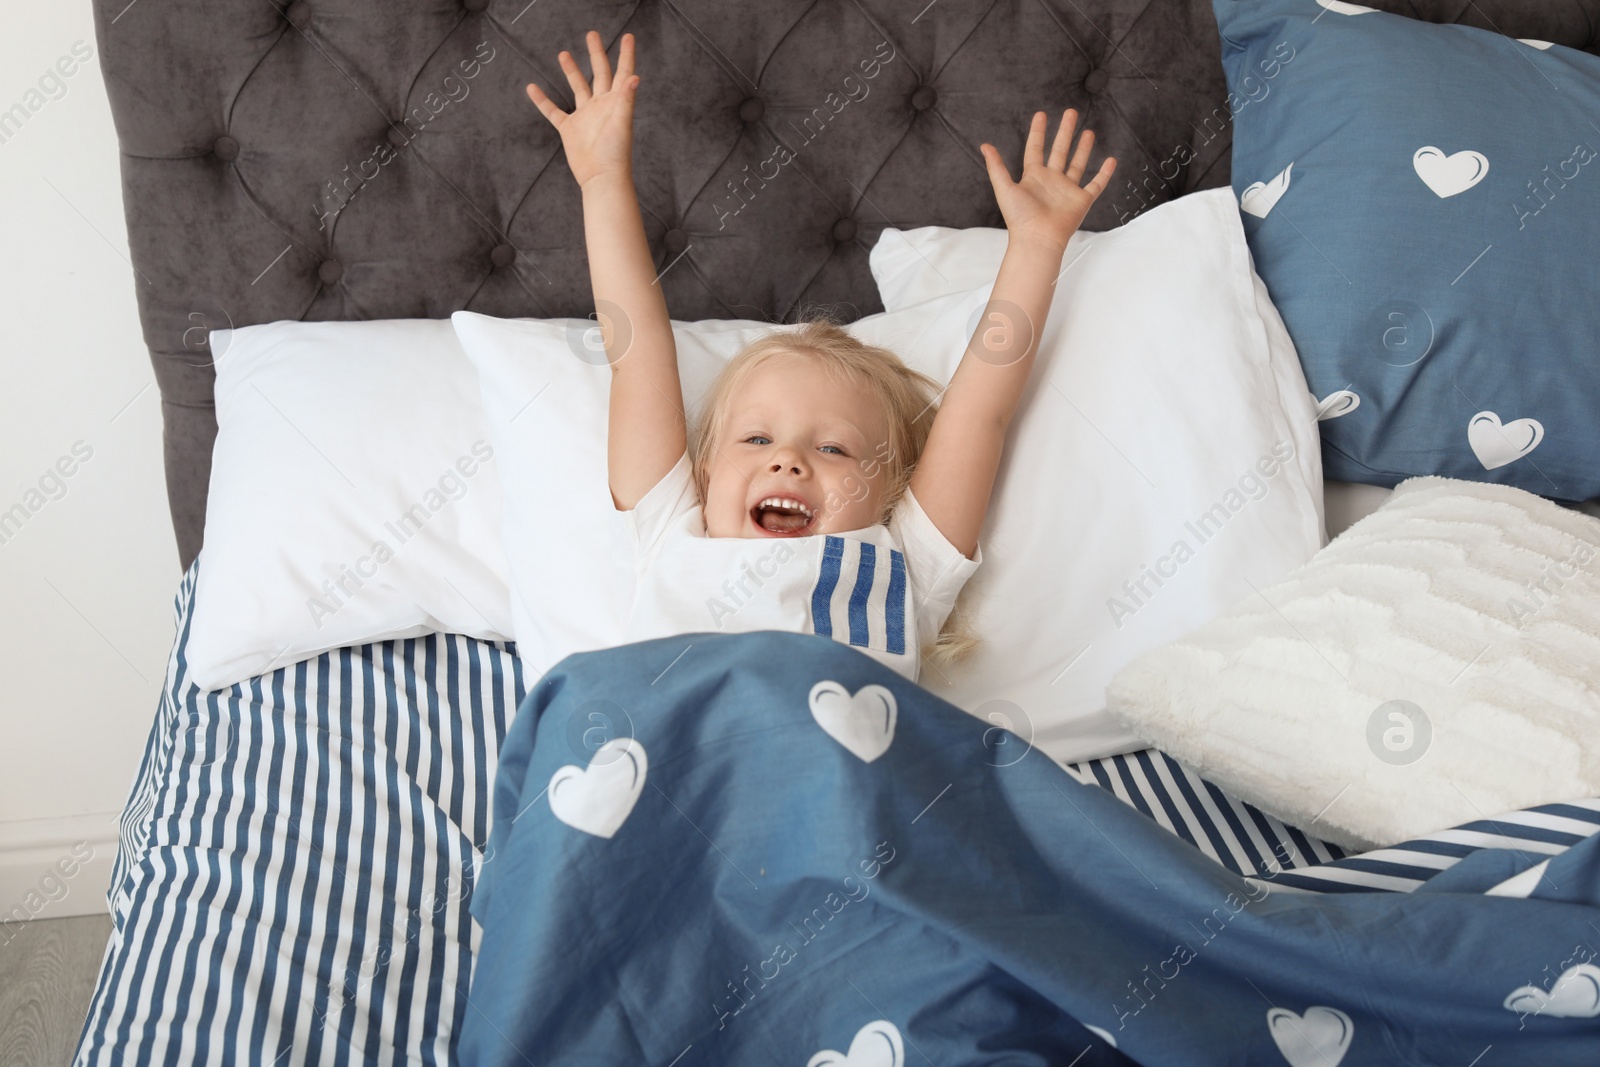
(1048, 204)
(598, 134)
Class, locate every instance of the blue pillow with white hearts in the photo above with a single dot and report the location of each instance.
(1423, 203)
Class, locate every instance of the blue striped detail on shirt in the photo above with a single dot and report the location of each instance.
(895, 613)
(822, 595)
(859, 633)
(862, 598)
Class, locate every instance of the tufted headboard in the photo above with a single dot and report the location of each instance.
(357, 159)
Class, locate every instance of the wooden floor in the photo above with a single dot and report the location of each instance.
(47, 973)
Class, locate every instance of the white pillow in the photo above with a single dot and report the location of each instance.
(353, 454)
(911, 266)
(1161, 359)
(1413, 676)
(546, 394)
(1166, 374)
(915, 265)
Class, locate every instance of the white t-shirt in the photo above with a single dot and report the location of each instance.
(885, 590)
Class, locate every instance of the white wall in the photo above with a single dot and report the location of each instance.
(86, 583)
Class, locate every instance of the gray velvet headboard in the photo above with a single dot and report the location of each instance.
(356, 159)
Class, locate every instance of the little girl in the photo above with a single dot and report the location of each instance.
(830, 489)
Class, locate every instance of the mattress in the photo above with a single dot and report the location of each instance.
(296, 857)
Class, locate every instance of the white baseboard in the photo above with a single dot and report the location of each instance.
(56, 868)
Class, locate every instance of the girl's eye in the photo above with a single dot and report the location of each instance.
(837, 450)
(757, 438)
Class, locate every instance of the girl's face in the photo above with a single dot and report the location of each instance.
(800, 454)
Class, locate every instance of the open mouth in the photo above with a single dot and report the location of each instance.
(783, 516)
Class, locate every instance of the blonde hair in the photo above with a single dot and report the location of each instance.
(909, 400)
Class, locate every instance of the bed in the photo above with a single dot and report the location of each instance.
(297, 855)
(295, 862)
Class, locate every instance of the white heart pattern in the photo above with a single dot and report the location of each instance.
(1343, 8)
(1319, 1038)
(599, 798)
(1496, 444)
(1336, 404)
(863, 723)
(1452, 174)
(1260, 198)
(876, 1044)
(1576, 995)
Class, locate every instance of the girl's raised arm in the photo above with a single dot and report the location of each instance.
(647, 431)
(955, 473)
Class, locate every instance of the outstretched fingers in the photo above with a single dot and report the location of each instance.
(1058, 151)
(599, 67)
(1033, 151)
(999, 173)
(547, 107)
(625, 60)
(599, 62)
(1080, 158)
(575, 79)
(1102, 177)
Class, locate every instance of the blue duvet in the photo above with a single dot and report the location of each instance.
(768, 848)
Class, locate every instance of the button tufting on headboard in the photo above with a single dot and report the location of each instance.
(397, 139)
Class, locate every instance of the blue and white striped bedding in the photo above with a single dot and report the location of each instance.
(1250, 842)
(295, 859)
(296, 856)
(1547, 830)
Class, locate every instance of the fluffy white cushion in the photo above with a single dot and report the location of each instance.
(353, 496)
(1165, 389)
(1473, 604)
